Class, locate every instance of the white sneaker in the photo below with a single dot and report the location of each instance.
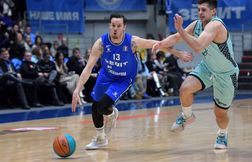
(181, 122)
(221, 141)
(111, 121)
(96, 143)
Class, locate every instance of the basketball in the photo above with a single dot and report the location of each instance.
(64, 145)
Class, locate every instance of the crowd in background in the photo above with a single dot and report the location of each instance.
(34, 73)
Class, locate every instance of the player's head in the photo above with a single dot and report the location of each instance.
(117, 26)
(206, 9)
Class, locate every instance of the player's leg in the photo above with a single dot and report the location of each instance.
(198, 80)
(224, 86)
(222, 121)
(187, 90)
(106, 107)
(100, 140)
(114, 92)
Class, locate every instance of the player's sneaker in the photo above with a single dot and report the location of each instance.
(181, 122)
(96, 143)
(221, 141)
(111, 121)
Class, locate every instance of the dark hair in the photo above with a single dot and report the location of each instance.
(160, 54)
(211, 3)
(2, 50)
(117, 15)
(75, 49)
(38, 37)
(58, 53)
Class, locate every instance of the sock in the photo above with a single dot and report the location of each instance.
(100, 132)
(187, 111)
(222, 131)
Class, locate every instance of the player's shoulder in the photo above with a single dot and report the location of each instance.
(215, 24)
(98, 41)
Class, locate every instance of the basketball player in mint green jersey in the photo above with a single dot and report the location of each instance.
(218, 69)
(116, 49)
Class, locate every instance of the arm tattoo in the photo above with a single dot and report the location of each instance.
(101, 48)
(133, 46)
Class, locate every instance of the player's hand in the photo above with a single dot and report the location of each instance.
(178, 22)
(186, 56)
(75, 100)
(155, 47)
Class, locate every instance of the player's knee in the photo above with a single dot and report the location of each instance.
(220, 112)
(95, 107)
(105, 110)
(184, 89)
(105, 105)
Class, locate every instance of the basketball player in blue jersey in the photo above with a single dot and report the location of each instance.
(119, 68)
(218, 69)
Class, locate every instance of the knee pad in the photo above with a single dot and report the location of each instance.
(104, 106)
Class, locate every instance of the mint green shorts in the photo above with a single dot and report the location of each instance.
(224, 84)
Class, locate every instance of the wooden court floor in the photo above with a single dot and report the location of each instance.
(141, 136)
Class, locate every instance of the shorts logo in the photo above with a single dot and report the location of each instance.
(115, 94)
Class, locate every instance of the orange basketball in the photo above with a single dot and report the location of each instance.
(64, 145)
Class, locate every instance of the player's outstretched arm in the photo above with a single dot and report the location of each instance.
(142, 43)
(183, 55)
(173, 39)
(205, 38)
(96, 51)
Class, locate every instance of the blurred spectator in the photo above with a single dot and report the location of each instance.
(64, 47)
(36, 54)
(4, 36)
(13, 33)
(154, 81)
(65, 77)
(77, 63)
(174, 79)
(6, 7)
(46, 50)
(54, 48)
(140, 85)
(11, 79)
(17, 49)
(29, 73)
(28, 32)
(28, 43)
(47, 69)
(38, 43)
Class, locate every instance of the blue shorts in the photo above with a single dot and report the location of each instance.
(224, 84)
(114, 88)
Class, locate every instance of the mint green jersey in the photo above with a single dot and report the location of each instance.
(218, 69)
(219, 58)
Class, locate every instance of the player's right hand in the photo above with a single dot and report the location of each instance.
(75, 100)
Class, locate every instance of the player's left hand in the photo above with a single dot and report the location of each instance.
(186, 56)
(178, 22)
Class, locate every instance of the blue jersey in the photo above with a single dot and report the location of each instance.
(118, 60)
